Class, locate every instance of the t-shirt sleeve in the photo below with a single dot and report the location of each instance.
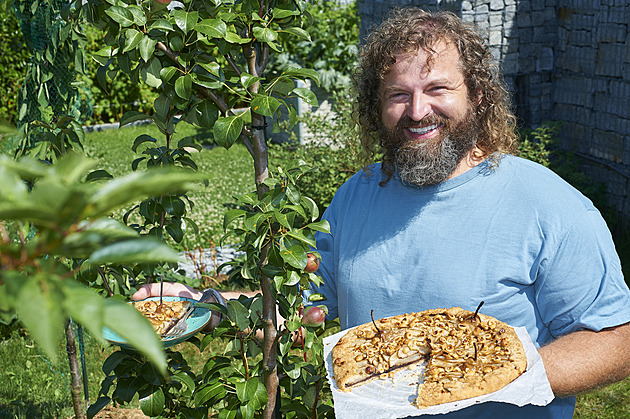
(581, 285)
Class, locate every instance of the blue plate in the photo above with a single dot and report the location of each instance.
(197, 320)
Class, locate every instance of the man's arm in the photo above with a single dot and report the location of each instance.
(586, 359)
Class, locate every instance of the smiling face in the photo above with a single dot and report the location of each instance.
(428, 121)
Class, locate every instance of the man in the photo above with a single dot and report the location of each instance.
(451, 218)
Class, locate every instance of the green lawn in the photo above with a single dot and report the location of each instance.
(230, 172)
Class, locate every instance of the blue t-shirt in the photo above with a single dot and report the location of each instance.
(514, 235)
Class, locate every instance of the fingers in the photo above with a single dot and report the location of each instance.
(170, 288)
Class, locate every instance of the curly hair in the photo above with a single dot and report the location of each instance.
(408, 30)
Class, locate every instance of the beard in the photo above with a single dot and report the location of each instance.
(430, 162)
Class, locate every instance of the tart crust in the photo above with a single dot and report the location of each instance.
(467, 354)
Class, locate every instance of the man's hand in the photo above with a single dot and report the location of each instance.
(170, 288)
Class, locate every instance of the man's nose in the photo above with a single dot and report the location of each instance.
(420, 107)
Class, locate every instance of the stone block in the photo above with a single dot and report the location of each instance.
(496, 4)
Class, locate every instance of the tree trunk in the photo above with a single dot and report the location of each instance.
(270, 328)
(75, 375)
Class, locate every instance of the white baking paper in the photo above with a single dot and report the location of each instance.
(393, 397)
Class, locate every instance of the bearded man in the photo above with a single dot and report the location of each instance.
(451, 217)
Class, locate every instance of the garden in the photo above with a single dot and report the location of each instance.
(199, 91)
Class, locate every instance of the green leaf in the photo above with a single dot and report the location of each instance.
(120, 15)
(248, 80)
(299, 32)
(167, 73)
(183, 86)
(184, 378)
(214, 69)
(151, 73)
(279, 13)
(253, 221)
(295, 256)
(306, 94)
(264, 34)
(147, 46)
(292, 278)
(213, 391)
(311, 206)
(246, 390)
(153, 404)
(214, 28)
(137, 12)
(141, 250)
(185, 20)
(322, 226)
(281, 218)
(37, 306)
(84, 306)
(301, 237)
(238, 314)
(207, 114)
(302, 73)
(227, 130)
(265, 105)
(161, 24)
(138, 185)
(128, 323)
(132, 116)
(232, 215)
(234, 38)
(144, 138)
(132, 39)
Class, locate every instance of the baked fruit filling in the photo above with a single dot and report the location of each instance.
(467, 354)
(163, 315)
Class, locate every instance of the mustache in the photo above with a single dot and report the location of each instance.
(407, 122)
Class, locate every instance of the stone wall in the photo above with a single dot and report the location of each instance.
(565, 60)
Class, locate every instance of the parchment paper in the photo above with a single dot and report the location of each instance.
(393, 398)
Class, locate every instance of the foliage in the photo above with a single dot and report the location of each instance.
(333, 48)
(228, 171)
(206, 59)
(55, 225)
(57, 61)
(113, 96)
(13, 62)
(50, 139)
(331, 149)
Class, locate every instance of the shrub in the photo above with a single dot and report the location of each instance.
(120, 94)
(13, 61)
(332, 51)
(332, 152)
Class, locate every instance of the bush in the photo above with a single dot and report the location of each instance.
(332, 51)
(121, 94)
(13, 61)
(333, 152)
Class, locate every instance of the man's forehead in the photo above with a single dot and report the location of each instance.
(442, 49)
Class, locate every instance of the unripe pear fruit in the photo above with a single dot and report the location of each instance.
(312, 263)
(314, 316)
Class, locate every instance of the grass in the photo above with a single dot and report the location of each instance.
(230, 172)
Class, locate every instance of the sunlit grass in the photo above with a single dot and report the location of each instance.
(230, 172)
